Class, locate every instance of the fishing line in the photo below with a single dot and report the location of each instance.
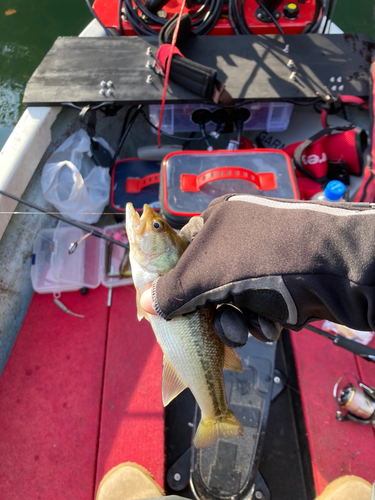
(94, 232)
(61, 213)
(26, 229)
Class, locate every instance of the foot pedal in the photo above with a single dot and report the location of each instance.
(229, 468)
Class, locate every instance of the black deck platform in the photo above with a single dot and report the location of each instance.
(252, 67)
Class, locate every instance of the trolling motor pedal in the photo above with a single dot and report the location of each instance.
(229, 468)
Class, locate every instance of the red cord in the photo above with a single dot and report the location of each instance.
(174, 39)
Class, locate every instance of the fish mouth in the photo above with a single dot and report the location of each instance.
(148, 212)
(136, 225)
(132, 222)
(131, 214)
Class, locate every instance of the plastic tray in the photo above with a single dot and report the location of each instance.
(54, 270)
(269, 116)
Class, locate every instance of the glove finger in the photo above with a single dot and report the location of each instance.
(262, 328)
(230, 326)
(191, 229)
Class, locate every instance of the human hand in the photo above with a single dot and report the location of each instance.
(281, 263)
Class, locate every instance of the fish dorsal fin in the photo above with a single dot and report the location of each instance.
(140, 311)
(172, 384)
(231, 360)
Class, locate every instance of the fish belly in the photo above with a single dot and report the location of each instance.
(197, 356)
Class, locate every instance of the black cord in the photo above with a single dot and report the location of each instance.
(149, 15)
(140, 27)
(320, 12)
(96, 17)
(330, 13)
(237, 17)
(126, 127)
(203, 20)
(120, 26)
(299, 103)
(271, 16)
(187, 142)
(250, 101)
(232, 19)
(241, 16)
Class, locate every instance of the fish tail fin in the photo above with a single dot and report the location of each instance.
(211, 430)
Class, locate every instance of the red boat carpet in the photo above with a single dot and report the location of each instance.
(337, 448)
(132, 422)
(54, 439)
(79, 396)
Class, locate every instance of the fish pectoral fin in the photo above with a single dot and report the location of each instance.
(172, 384)
(231, 360)
(140, 311)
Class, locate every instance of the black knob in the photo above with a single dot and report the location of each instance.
(291, 10)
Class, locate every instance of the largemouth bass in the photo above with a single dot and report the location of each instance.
(194, 357)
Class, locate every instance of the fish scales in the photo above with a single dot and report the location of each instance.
(183, 347)
(194, 356)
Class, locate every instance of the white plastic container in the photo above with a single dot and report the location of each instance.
(334, 191)
(54, 270)
(269, 116)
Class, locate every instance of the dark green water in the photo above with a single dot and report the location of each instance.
(27, 35)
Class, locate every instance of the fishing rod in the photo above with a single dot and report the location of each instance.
(366, 352)
(89, 230)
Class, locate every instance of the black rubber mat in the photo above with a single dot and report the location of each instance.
(284, 465)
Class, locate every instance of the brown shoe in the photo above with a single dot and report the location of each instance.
(347, 488)
(128, 481)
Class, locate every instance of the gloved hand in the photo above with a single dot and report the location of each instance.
(281, 263)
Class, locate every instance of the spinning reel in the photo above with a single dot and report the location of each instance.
(355, 400)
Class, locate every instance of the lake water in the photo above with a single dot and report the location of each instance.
(27, 34)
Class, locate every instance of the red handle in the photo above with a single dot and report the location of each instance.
(135, 184)
(192, 183)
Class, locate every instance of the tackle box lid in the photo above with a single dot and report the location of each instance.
(191, 180)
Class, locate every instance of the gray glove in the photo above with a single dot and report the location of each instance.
(280, 263)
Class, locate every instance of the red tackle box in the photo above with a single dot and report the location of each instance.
(190, 180)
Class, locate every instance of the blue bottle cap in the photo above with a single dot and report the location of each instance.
(334, 190)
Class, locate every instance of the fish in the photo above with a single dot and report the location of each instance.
(193, 355)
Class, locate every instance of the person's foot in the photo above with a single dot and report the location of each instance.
(347, 488)
(128, 481)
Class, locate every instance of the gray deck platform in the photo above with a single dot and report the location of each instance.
(252, 67)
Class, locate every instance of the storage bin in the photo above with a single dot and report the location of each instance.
(135, 181)
(190, 180)
(54, 270)
(269, 116)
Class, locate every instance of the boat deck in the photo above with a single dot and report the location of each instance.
(251, 67)
(79, 396)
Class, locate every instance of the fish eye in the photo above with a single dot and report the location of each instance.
(158, 225)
